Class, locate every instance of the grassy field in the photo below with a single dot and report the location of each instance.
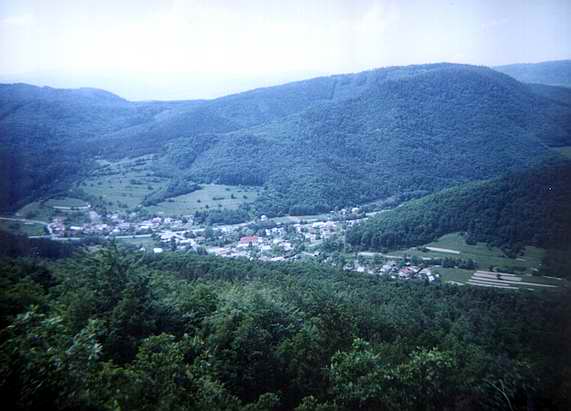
(454, 274)
(65, 202)
(566, 151)
(298, 218)
(146, 242)
(484, 255)
(36, 211)
(17, 227)
(210, 196)
(123, 184)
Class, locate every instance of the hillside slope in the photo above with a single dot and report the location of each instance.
(554, 73)
(527, 208)
(314, 145)
(44, 131)
(425, 131)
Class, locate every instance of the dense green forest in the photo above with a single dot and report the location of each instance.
(526, 208)
(401, 134)
(555, 73)
(116, 330)
(314, 145)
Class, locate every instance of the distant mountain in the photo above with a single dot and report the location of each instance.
(44, 132)
(554, 73)
(314, 145)
(532, 207)
(558, 94)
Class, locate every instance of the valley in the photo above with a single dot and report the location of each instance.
(320, 238)
(285, 206)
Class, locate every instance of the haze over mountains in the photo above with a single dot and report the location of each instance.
(314, 145)
(554, 73)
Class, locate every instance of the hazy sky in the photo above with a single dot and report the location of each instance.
(269, 39)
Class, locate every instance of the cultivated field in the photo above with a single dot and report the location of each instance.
(512, 281)
(454, 246)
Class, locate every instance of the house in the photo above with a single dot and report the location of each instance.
(387, 268)
(247, 240)
(157, 250)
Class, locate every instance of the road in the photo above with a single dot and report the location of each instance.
(27, 221)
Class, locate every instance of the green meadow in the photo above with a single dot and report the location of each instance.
(209, 197)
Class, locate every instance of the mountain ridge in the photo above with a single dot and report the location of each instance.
(317, 144)
(554, 73)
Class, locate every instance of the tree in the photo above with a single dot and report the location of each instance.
(358, 378)
(427, 379)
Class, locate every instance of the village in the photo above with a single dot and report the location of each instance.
(263, 239)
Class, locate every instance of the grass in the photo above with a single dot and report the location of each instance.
(36, 211)
(209, 197)
(298, 218)
(454, 274)
(65, 202)
(123, 184)
(146, 242)
(484, 255)
(17, 227)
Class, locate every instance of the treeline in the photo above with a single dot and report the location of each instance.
(174, 188)
(223, 216)
(526, 208)
(113, 330)
(19, 245)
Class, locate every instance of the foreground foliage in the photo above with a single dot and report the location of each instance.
(114, 330)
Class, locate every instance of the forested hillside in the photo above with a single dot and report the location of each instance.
(45, 132)
(113, 330)
(555, 73)
(314, 145)
(526, 208)
(423, 132)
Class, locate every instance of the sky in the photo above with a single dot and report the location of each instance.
(164, 49)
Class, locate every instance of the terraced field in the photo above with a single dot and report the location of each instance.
(512, 282)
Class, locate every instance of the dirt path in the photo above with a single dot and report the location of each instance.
(443, 250)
